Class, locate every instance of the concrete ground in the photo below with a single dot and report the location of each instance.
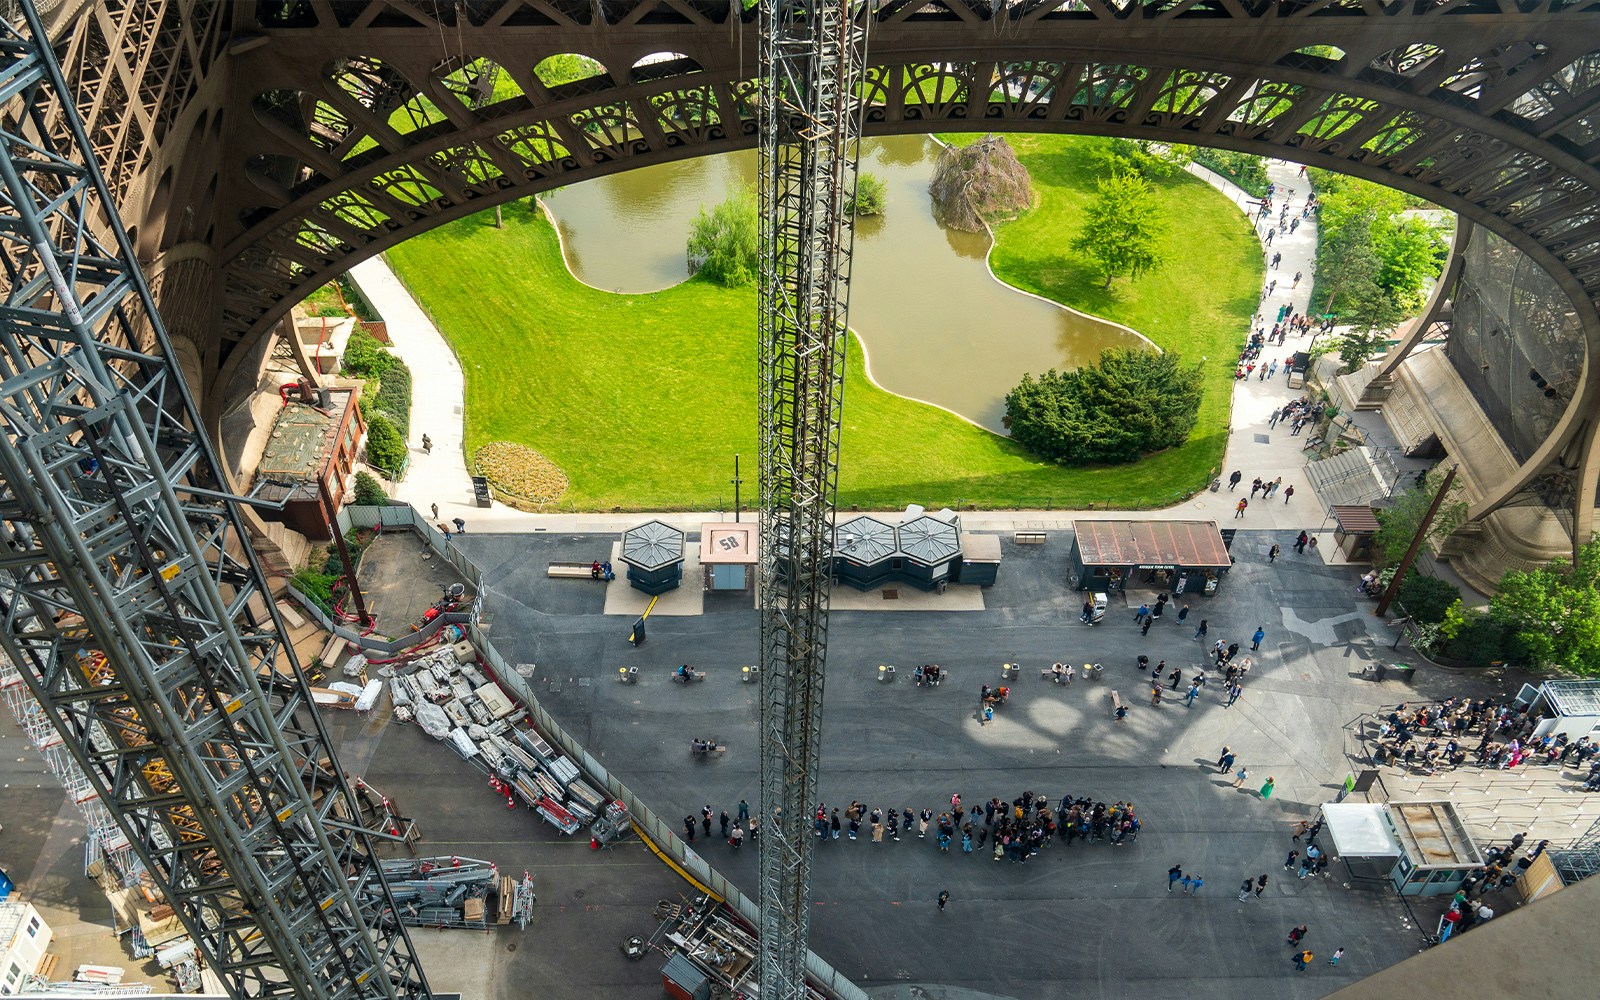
(1092, 920)
(588, 903)
(42, 850)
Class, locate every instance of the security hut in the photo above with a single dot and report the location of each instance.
(980, 559)
(653, 552)
(930, 550)
(1414, 848)
(728, 553)
(864, 552)
(1180, 556)
(1571, 707)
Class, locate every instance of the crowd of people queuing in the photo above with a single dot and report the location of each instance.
(1015, 830)
(1451, 733)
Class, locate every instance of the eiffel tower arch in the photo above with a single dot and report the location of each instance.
(260, 149)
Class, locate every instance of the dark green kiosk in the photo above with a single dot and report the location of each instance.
(653, 553)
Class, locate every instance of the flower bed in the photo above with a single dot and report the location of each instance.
(520, 476)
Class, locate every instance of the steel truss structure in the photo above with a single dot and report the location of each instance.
(811, 56)
(134, 609)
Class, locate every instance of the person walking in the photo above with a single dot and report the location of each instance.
(1288, 862)
(1226, 764)
(1255, 640)
(688, 828)
(1183, 613)
(1240, 778)
(1227, 752)
(1155, 696)
(1300, 543)
(1238, 511)
(1302, 959)
(1200, 633)
(705, 818)
(1233, 694)
(1194, 692)
(1173, 875)
(1255, 487)
(1337, 954)
(1297, 934)
(1288, 491)
(435, 508)
(1233, 480)
(1261, 884)
(923, 819)
(726, 822)
(1245, 887)
(835, 825)
(744, 811)
(1233, 650)
(1175, 677)
(1268, 787)
(1187, 881)
(944, 897)
(1145, 629)
(1272, 553)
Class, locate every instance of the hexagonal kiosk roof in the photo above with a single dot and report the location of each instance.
(929, 540)
(652, 545)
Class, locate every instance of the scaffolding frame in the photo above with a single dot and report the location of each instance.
(811, 59)
(133, 607)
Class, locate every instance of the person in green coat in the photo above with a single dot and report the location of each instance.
(1266, 789)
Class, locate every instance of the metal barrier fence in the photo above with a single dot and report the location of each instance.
(664, 836)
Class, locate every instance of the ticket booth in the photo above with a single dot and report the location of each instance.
(1411, 848)
(728, 554)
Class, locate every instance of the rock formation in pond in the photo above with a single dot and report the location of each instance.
(979, 183)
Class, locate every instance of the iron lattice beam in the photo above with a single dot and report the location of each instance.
(811, 55)
(132, 604)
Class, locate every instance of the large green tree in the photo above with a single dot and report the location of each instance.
(1124, 228)
(1398, 523)
(1130, 403)
(1554, 612)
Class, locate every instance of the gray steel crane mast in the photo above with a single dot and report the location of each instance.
(811, 58)
(132, 602)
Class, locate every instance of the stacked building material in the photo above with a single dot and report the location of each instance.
(452, 892)
(450, 698)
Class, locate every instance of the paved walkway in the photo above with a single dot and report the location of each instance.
(1254, 449)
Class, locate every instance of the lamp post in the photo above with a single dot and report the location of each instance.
(736, 481)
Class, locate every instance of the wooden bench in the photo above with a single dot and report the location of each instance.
(1028, 537)
(1116, 703)
(571, 570)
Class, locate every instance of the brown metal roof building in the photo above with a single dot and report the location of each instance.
(1106, 554)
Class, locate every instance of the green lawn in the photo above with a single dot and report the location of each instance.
(644, 399)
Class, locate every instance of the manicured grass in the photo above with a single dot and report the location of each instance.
(644, 399)
(1198, 305)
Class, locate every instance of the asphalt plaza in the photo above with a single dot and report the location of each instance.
(1089, 920)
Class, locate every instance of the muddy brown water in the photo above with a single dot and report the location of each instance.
(936, 324)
